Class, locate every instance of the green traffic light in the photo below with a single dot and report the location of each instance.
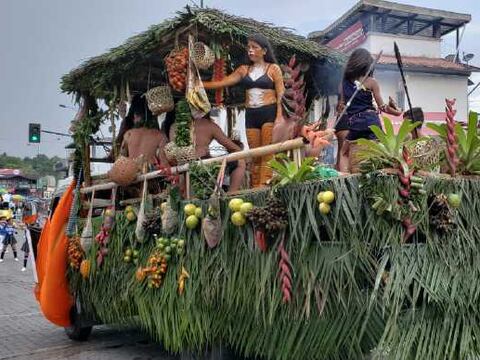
(34, 138)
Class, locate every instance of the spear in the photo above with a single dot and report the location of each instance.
(400, 67)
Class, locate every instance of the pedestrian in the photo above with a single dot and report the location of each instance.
(26, 251)
(8, 231)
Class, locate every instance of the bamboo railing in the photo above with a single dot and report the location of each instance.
(296, 145)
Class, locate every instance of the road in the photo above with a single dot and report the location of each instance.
(26, 334)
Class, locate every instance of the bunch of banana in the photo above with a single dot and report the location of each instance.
(197, 97)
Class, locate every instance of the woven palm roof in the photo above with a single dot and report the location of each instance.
(100, 73)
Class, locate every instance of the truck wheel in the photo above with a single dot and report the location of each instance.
(76, 331)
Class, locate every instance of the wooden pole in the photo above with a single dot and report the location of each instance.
(240, 155)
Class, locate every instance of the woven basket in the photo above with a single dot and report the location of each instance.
(427, 153)
(124, 171)
(179, 154)
(160, 99)
(202, 56)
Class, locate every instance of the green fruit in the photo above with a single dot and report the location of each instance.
(135, 261)
(168, 250)
(173, 245)
(131, 216)
(127, 259)
(165, 242)
(192, 222)
(150, 285)
(135, 253)
(324, 208)
(246, 207)
(320, 196)
(328, 197)
(189, 209)
(161, 246)
(181, 243)
(238, 219)
(235, 204)
(128, 252)
(198, 212)
(174, 241)
(454, 200)
(109, 213)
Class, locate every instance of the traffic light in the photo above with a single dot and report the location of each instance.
(34, 133)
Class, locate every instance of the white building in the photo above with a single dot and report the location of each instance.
(375, 25)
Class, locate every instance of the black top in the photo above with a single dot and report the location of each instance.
(263, 82)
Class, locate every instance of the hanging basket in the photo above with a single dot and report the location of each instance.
(179, 154)
(202, 55)
(124, 171)
(160, 99)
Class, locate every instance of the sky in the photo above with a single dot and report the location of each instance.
(40, 40)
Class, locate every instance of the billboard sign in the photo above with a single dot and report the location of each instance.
(349, 39)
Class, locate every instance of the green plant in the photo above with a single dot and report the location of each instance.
(387, 149)
(288, 172)
(468, 150)
(183, 124)
(203, 179)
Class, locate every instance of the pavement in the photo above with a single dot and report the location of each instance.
(26, 334)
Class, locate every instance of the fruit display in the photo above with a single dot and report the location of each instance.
(103, 236)
(193, 214)
(441, 214)
(273, 217)
(75, 253)
(219, 73)
(153, 222)
(184, 275)
(325, 199)
(177, 63)
(155, 271)
(130, 256)
(183, 120)
(197, 97)
(239, 209)
(130, 214)
(169, 247)
(85, 268)
(454, 200)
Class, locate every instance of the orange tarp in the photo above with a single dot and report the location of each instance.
(52, 290)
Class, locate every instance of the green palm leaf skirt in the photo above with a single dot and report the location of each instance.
(357, 290)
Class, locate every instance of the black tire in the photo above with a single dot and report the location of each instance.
(76, 331)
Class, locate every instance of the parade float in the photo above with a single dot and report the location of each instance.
(317, 266)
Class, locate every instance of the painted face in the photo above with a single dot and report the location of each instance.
(255, 51)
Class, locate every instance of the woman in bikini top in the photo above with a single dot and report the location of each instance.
(263, 82)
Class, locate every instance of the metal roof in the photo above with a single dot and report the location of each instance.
(396, 17)
(426, 64)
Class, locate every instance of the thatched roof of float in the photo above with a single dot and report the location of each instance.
(100, 74)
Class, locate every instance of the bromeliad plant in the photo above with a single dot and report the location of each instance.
(387, 150)
(467, 145)
(288, 172)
